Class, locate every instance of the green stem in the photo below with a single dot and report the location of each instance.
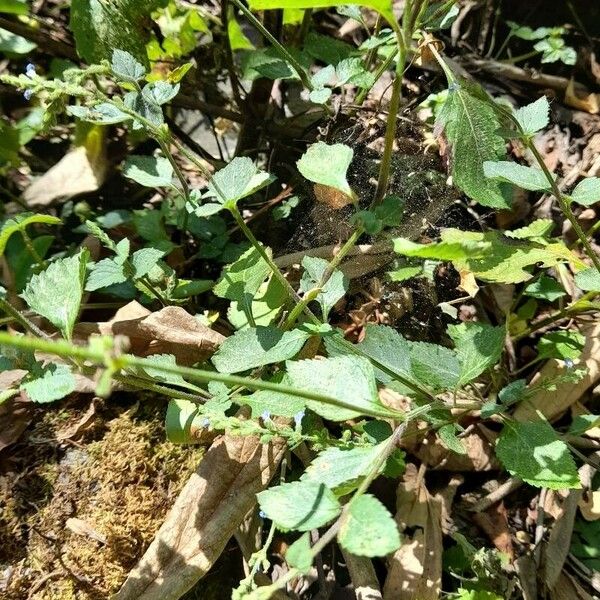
(516, 59)
(124, 361)
(31, 249)
(182, 180)
(390, 129)
(302, 74)
(143, 384)
(20, 318)
(564, 204)
(383, 67)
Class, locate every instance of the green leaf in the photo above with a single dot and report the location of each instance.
(242, 279)
(144, 260)
(183, 422)
(240, 178)
(254, 347)
(583, 423)
(545, 288)
(99, 27)
(384, 7)
(327, 165)
(534, 117)
(275, 403)
(237, 37)
(342, 470)
(369, 529)
(434, 366)
(348, 378)
(478, 347)
(126, 67)
(156, 373)
(160, 92)
(15, 44)
(491, 256)
(561, 344)
(298, 555)
(588, 280)
(326, 48)
(508, 171)
(104, 113)
(300, 506)
(49, 383)
(145, 106)
(267, 304)
(105, 273)
(20, 222)
(320, 95)
(56, 292)
(149, 171)
(332, 291)
(534, 453)
(14, 7)
(389, 348)
(587, 191)
(471, 127)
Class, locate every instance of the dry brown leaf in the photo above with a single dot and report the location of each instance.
(331, 197)
(494, 522)
(204, 517)
(77, 172)
(553, 403)
(15, 415)
(74, 429)
(468, 283)
(415, 569)
(479, 453)
(589, 102)
(171, 330)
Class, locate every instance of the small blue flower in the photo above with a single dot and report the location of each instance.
(262, 514)
(569, 363)
(27, 94)
(206, 422)
(266, 415)
(30, 70)
(298, 418)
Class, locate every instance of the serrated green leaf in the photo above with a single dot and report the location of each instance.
(126, 67)
(320, 95)
(267, 304)
(478, 347)
(368, 528)
(105, 273)
(434, 366)
(342, 470)
(508, 171)
(254, 347)
(12, 43)
(332, 291)
(56, 292)
(160, 92)
(49, 383)
(240, 178)
(545, 288)
(19, 223)
(534, 453)
(349, 378)
(144, 260)
(300, 505)
(149, 171)
(327, 165)
(388, 348)
(152, 369)
(582, 423)
(242, 279)
(448, 435)
(561, 344)
(298, 555)
(145, 106)
(471, 127)
(588, 280)
(587, 191)
(534, 117)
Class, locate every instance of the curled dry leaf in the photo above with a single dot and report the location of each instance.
(589, 505)
(331, 197)
(205, 516)
(73, 430)
(171, 330)
(494, 522)
(15, 415)
(553, 403)
(415, 569)
(587, 102)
